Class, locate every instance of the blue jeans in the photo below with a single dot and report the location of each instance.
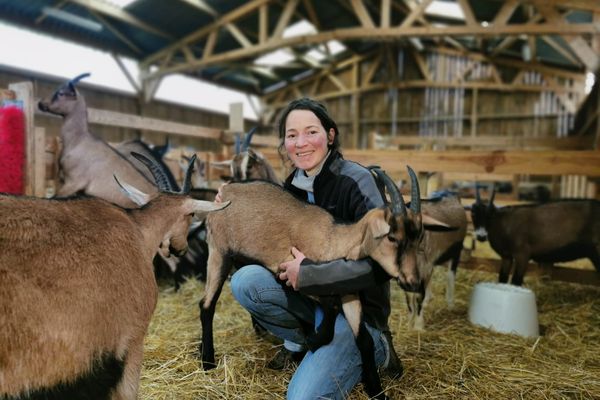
(334, 369)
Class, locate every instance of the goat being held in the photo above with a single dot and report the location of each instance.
(389, 235)
(77, 290)
(554, 231)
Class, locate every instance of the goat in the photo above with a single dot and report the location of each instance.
(248, 164)
(77, 290)
(555, 231)
(266, 211)
(437, 248)
(199, 178)
(140, 147)
(86, 161)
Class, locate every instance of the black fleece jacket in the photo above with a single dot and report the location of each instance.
(347, 191)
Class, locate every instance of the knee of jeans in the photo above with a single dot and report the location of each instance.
(242, 282)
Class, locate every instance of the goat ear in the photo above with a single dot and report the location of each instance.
(435, 225)
(379, 227)
(137, 196)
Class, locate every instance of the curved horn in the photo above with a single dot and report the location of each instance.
(477, 195)
(78, 78)
(237, 143)
(415, 192)
(398, 206)
(491, 203)
(159, 176)
(187, 181)
(248, 139)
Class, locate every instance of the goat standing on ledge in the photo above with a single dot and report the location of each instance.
(555, 231)
(77, 290)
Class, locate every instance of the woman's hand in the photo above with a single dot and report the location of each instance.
(219, 196)
(291, 269)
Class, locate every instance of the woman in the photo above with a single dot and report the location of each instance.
(347, 191)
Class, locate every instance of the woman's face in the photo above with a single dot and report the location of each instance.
(306, 140)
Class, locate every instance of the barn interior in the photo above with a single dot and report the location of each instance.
(488, 93)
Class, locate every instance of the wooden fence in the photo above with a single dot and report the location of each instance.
(475, 164)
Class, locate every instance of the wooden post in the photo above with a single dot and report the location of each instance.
(39, 157)
(236, 121)
(24, 92)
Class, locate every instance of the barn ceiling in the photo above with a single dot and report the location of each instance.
(258, 46)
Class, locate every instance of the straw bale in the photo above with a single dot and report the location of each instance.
(452, 359)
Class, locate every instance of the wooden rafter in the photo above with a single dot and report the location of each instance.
(120, 14)
(362, 14)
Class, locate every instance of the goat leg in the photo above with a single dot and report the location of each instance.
(521, 262)
(323, 334)
(370, 376)
(595, 257)
(217, 272)
(505, 267)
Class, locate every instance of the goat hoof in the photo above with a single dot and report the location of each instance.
(207, 365)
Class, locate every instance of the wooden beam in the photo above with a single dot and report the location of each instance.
(362, 14)
(107, 8)
(112, 118)
(381, 34)
(505, 12)
(202, 6)
(284, 18)
(497, 162)
(468, 13)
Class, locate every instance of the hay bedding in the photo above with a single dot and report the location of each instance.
(451, 360)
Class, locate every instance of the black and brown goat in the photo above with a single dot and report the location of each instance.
(554, 231)
(437, 248)
(77, 290)
(264, 211)
(247, 164)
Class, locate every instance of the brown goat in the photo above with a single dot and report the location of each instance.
(437, 248)
(77, 291)
(265, 211)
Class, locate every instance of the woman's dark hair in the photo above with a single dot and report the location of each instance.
(319, 110)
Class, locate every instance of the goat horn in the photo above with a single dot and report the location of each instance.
(78, 78)
(237, 143)
(477, 195)
(159, 176)
(415, 192)
(491, 204)
(398, 206)
(187, 181)
(248, 139)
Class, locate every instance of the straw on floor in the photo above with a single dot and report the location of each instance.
(452, 359)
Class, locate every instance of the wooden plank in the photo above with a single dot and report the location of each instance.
(484, 163)
(39, 160)
(502, 142)
(113, 118)
(498, 162)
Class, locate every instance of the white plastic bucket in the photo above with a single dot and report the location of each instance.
(504, 308)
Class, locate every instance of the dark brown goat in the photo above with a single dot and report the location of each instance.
(77, 290)
(555, 231)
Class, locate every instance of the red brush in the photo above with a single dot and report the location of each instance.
(12, 150)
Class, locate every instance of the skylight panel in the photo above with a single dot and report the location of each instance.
(445, 9)
(299, 28)
(120, 3)
(277, 57)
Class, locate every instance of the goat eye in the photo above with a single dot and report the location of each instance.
(392, 239)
